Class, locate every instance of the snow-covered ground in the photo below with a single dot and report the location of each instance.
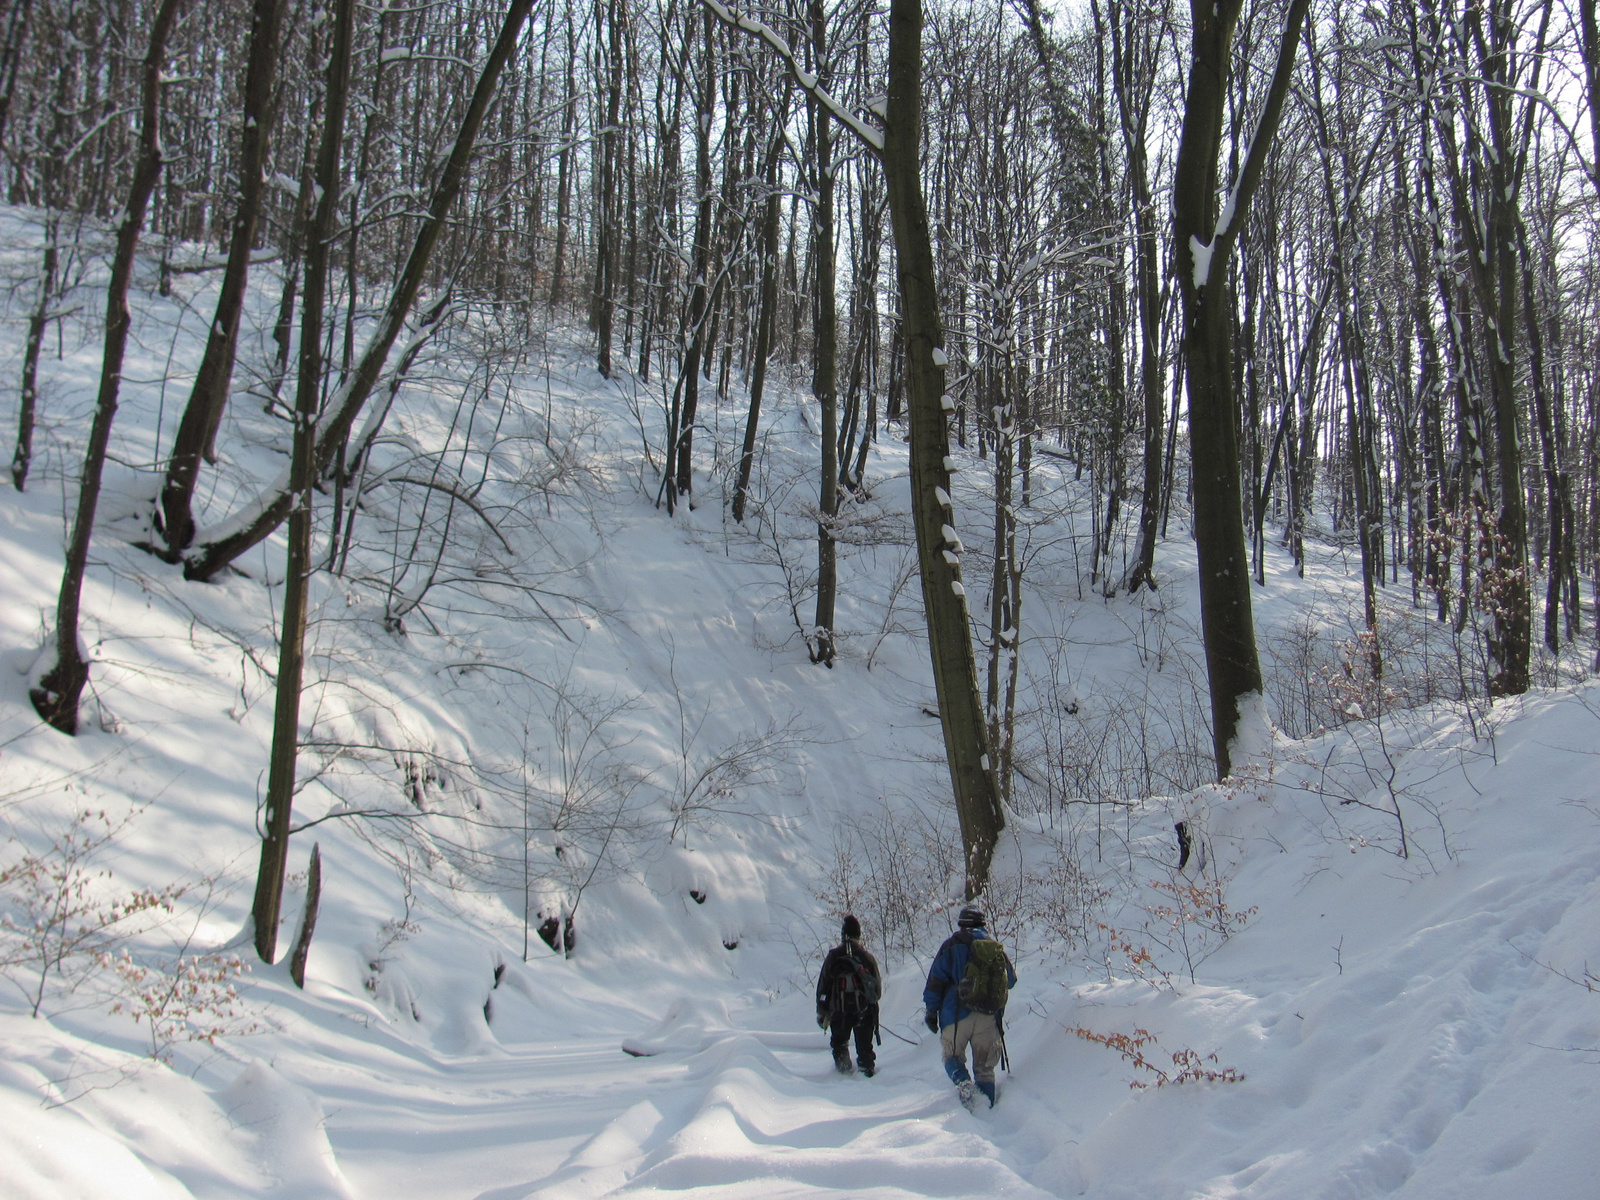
(1386, 928)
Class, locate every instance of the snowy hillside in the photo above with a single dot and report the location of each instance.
(578, 707)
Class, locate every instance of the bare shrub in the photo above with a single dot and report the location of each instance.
(58, 923)
(895, 875)
(1189, 1066)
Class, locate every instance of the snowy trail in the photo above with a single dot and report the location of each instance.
(756, 1122)
(750, 1115)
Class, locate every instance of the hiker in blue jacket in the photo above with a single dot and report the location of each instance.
(956, 1017)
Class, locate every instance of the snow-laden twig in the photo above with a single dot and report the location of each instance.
(805, 79)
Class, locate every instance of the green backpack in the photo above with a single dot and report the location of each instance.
(985, 985)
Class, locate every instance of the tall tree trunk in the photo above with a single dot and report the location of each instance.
(607, 218)
(57, 693)
(38, 320)
(955, 673)
(764, 318)
(12, 40)
(216, 549)
(1486, 184)
(824, 376)
(681, 460)
(302, 474)
(197, 429)
(569, 117)
(1203, 244)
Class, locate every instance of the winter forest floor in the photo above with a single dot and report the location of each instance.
(1389, 928)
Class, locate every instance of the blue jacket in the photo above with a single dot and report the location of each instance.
(949, 965)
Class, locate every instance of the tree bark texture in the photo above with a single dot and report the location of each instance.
(216, 549)
(57, 694)
(297, 572)
(944, 602)
(764, 318)
(308, 919)
(1202, 244)
(825, 373)
(201, 416)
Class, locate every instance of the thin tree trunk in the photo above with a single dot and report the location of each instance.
(38, 320)
(763, 350)
(302, 474)
(57, 693)
(824, 377)
(202, 415)
(249, 527)
(564, 170)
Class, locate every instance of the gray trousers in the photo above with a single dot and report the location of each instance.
(979, 1031)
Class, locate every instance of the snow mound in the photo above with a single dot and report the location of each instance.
(287, 1124)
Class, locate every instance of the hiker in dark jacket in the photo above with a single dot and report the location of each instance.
(957, 1025)
(847, 999)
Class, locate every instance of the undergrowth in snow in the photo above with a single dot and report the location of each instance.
(589, 817)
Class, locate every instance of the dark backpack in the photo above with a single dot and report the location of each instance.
(852, 985)
(985, 985)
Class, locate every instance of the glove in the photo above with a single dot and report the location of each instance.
(931, 1020)
(822, 1018)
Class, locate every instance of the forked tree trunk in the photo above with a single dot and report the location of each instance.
(217, 548)
(1203, 244)
(59, 689)
(197, 429)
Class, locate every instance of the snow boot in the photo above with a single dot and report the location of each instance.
(842, 1063)
(968, 1096)
(869, 1069)
(988, 1090)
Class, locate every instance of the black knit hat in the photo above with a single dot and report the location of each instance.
(971, 918)
(851, 927)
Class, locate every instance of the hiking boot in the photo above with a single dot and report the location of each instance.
(967, 1093)
(869, 1069)
(843, 1065)
(988, 1090)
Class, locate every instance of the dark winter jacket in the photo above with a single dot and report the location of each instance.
(949, 965)
(825, 980)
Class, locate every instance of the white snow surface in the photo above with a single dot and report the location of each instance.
(1412, 1026)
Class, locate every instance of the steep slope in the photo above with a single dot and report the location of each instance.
(608, 718)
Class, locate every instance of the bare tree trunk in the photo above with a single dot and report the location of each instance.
(12, 40)
(607, 218)
(28, 401)
(680, 463)
(564, 168)
(56, 695)
(944, 602)
(763, 350)
(955, 672)
(1203, 244)
(824, 376)
(302, 474)
(308, 919)
(218, 548)
(202, 415)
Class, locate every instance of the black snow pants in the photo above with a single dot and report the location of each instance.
(863, 1026)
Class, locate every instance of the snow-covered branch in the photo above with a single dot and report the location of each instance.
(807, 81)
